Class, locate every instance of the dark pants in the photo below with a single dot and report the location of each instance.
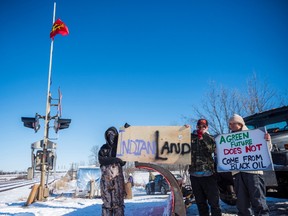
(119, 211)
(251, 194)
(206, 189)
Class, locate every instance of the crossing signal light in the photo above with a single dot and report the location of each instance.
(31, 123)
(60, 123)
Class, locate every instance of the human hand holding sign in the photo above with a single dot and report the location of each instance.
(267, 137)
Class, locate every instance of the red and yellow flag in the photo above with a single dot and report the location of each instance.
(59, 27)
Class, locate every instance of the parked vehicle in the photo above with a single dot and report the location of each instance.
(159, 184)
(276, 123)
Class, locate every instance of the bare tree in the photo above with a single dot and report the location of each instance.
(93, 158)
(220, 103)
(283, 98)
(259, 96)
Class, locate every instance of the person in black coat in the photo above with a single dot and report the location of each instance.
(112, 179)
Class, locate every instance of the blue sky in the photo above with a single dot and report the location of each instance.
(141, 62)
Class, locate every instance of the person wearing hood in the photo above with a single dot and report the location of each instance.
(249, 185)
(131, 180)
(112, 179)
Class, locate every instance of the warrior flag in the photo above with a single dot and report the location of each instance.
(59, 27)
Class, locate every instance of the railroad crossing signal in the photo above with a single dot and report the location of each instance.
(42, 190)
(31, 122)
(45, 159)
(60, 124)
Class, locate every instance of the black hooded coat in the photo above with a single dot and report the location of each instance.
(112, 179)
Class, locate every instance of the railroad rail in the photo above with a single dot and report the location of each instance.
(6, 185)
(10, 185)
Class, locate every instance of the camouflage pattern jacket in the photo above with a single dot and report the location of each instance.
(202, 154)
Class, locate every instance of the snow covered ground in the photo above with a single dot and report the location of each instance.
(63, 202)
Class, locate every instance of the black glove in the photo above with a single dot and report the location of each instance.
(118, 160)
(126, 125)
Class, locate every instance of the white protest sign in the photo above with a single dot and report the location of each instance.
(244, 150)
(158, 144)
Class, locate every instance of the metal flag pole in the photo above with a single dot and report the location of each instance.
(43, 190)
(45, 159)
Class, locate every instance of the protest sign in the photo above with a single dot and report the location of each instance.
(244, 150)
(158, 144)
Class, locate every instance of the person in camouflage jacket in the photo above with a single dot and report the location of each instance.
(112, 183)
(202, 172)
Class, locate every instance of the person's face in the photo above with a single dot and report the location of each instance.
(202, 127)
(234, 126)
(111, 137)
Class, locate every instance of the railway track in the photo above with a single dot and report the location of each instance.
(10, 185)
(13, 181)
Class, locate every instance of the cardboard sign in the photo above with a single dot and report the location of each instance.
(243, 151)
(159, 144)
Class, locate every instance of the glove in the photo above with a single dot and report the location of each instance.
(200, 134)
(126, 125)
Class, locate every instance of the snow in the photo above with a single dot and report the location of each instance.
(63, 202)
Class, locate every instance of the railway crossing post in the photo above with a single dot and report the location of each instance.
(42, 191)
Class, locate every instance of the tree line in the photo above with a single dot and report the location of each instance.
(220, 103)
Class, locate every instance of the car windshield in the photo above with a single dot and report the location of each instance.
(275, 120)
(272, 127)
